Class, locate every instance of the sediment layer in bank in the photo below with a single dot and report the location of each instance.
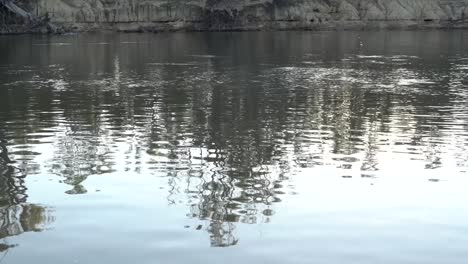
(236, 15)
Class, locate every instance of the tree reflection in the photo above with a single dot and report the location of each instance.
(228, 132)
(17, 216)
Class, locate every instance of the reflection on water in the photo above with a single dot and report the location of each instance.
(17, 219)
(229, 120)
(17, 216)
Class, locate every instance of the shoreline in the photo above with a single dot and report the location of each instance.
(266, 26)
(64, 16)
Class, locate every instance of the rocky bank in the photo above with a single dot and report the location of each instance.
(167, 15)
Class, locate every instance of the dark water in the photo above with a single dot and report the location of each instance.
(286, 147)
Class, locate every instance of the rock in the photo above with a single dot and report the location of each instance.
(162, 15)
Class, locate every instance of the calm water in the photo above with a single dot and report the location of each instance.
(286, 147)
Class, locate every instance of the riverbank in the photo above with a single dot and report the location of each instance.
(273, 25)
(243, 15)
(180, 26)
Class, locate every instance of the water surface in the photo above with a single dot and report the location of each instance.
(277, 147)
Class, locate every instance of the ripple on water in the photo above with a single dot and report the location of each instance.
(233, 140)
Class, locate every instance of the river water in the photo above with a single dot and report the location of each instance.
(274, 147)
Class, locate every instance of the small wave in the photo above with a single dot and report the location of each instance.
(207, 56)
(53, 44)
(174, 63)
(407, 82)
